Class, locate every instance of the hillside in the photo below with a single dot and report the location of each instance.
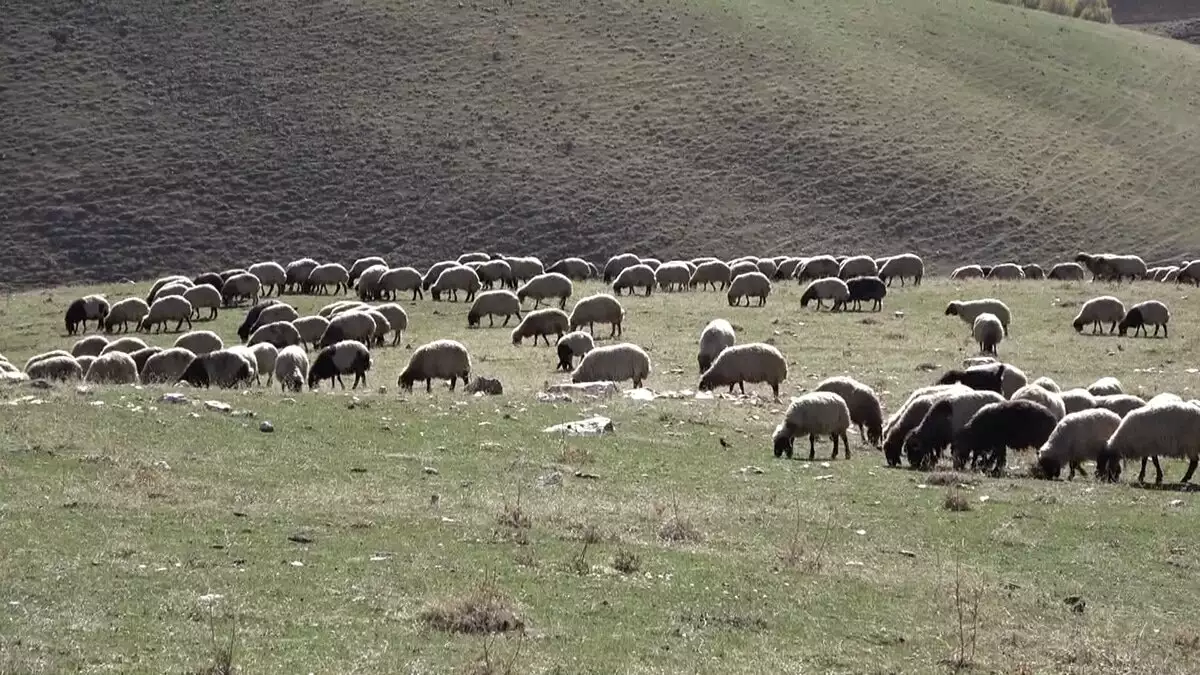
(1150, 11)
(144, 136)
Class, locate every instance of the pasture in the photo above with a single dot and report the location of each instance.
(147, 536)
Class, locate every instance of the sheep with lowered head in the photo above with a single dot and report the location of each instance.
(615, 363)
(45, 355)
(351, 325)
(1098, 311)
(828, 288)
(749, 285)
(127, 344)
(857, 266)
(280, 311)
(1148, 313)
(751, 362)
(673, 276)
(495, 271)
(291, 368)
(967, 310)
(544, 287)
(1169, 429)
(986, 438)
(399, 279)
(92, 345)
(82, 310)
(279, 333)
(361, 265)
(1106, 386)
(440, 359)
(341, 358)
(58, 367)
(711, 272)
(271, 276)
(1121, 404)
(818, 267)
(817, 413)
(142, 355)
(124, 312)
(1077, 399)
(323, 276)
(925, 442)
(1006, 272)
(225, 368)
(244, 286)
(455, 279)
(716, 337)
(866, 289)
(541, 323)
(251, 318)
(1067, 271)
(988, 332)
(617, 264)
(113, 368)
(1044, 397)
(167, 366)
(1078, 437)
(296, 274)
(865, 410)
(966, 272)
(200, 342)
(572, 268)
(1047, 384)
(204, 296)
(634, 277)
(576, 343)
(594, 309)
(165, 310)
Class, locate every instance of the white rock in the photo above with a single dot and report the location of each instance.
(605, 388)
(592, 426)
(218, 406)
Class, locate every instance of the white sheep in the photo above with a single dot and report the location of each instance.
(473, 256)
(491, 304)
(440, 359)
(967, 310)
(1047, 384)
(205, 296)
(739, 267)
(279, 333)
(673, 276)
(57, 367)
(614, 363)
(167, 366)
(817, 413)
(545, 287)
(541, 323)
(92, 345)
(382, 325)
(1078, 399)
(710, 272)
(1078, 437)
(1006, 272)
(271, 276)
(716, 337)
(1067, 271)
(113, 368)
(337, 307)
(244, 286)
(351, 325)
(1098, 311)
(633, 278)
(1044, 397)
(435, 270)
(1164, 430)
(988, 331)
(866, 412)
(768, 267)
(618, 263)
(750, 285)
(162, 283)
(396, 317)
(1106, 386)
(1121, 404)
(1147, 313)
(594, 309)
(297, 273)
(1112, 267)
(45, 355)
(265, 354)
(966, 272)
(322, 276)
(498, 271)
(523, 268)
(400, 279)
(128, 345)
(279, 311)
(200, 342)
(857, 266)
(368, 282)
(310, 329)
(164, 310)
(575, 269)
(905, 265)
(125, 311)
(455, 279)
(829, 288)
(291, 368)
(818, 267)
(751, 362)
(570, 345)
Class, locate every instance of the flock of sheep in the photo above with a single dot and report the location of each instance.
(977, 414)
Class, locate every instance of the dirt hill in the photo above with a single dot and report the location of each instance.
(144, 137)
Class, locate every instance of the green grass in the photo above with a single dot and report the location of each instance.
(210, 133)
(119, 519)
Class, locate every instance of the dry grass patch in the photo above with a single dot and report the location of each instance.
(481, 611)
(955, 501)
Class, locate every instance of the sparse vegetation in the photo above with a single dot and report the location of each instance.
(483, 611)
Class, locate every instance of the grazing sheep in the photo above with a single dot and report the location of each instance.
(440, 359)
(82, 310)
(1188, 271)
(352, 325)
(174, 288)
(167, 281)
(1067, 271)
(1077, 399)
(1106, 386)
(473, 256)
(310, 329)
(45, 355)
(142, 355)
(576, 343)
(1002, 378)
(829, 288)
(207, 279)
(1047, 384)
(865, 410)
(817, 413)
(498, 271)
(251, 318)
(988, 332)
(544, 287)
(594, 309)
(1098, 311)
(278, 312)
(1148, 313)
(614, 363)
(738, 268)
(967, 310)
(787, 268)
(767, 267)
(1170, 429)
(455, 279)
(165, 310)
(1121, 404)
(575, 269)
(1033, 272)
(127, 345)
(1110, 267)
(291, 368)
(265, 354)
(967, 272)
(716, 337)
(382, 325)
(673, 276)
(925, 442)
(322, 276)
(1078, 437)
(1006, 272)
(818, 267)
(857, 266)
(167, 366)
(58, 367)
(633, 278)
(617, 264)
(711, 272)
(240, 287)
(866, 289)
(368, 282)
(335, 308)
(987, 436)
(271, 276)
(225, 368)
(341, 358)
(1046, 398)
(362, 265)
(401, 279)
(113, 368)
(751, 362)
(396, 317)
(909, 414)
(204, 296)
(750, 285)
(228, 274)
(125, 311)
(296, 274)
(434, 271)
(93, 345)
(278, 333)
(542, 323)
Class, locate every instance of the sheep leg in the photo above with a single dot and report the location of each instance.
(775, 390)
(1001, 456)
(1187, 476)
(338, 377)
(428, 385)
(834, 437)
(1142, 473)
(846, 445)
(742, 386)
(812, 447)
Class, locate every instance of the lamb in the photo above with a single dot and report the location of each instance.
(633, 278)
(396, 317)
(614, 363)
(829, 288)
(541, 323)
(142, 355)
(749, 285)
(1106, 386)
(352, 325)
(167, 281)
(866, 289)
(85, 309)
(967, 310)
(164, 310)
(1121, 404)
(617, 264)
(310, 329)
(271, 276)
(440, 359)
(1148, 313)
(716, 337)
(1098, 311)
(434, 271)
(857, 266)
(166, 366)
(818, 267)
(401, 279)
(127, 345)
(92, 345)
(1066, 271)
(989, 433)
(817, 413)
(924, 443)
(594, 309)
(362, 265)
(711, 272)
(1006, 272)
(572, 268)
(498, 271)
(291, 368)
(296, 274)
(1033, 272)
(1170, 429)
(277, 312)
(124, 311)
(988, 332)
(1078, 437)
(112, 368)
(865, 410)
(243, 286)
(1046, 398)
(455, 279)
(1106, 266)
(576, 343)
(967, 272)
(673, 276)
(544, 287)
(225, 368)
(739, 364)
(204, 296)
(1077, 399)
(322, 276)
(57, 367)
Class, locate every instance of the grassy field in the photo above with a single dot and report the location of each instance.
(146, 137)
(135, 530)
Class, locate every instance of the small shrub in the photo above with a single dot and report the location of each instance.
(626, 562)
(1096, 14)
(482, 611)
(956, 502)
(1059, 7)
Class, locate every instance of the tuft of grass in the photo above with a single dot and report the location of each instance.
(626, 561)
(955, 501)
(513, 516)
(482, 611)
(950, 478)
(678, 528)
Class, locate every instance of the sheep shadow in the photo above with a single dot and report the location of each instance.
(1165, 487)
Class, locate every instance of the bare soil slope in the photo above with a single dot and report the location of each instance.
(142, 137)
(1149, 11)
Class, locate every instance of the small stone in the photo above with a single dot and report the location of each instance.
(587, 476)
(301, 538)
(173, 397)
(907, 554)
(430, 471)
(266, 427)
(218, 406)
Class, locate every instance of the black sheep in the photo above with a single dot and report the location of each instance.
(76, 316)
(924, 444)
(211, 278)
(243, 330)
(864, 289)
(565, 357)
(334, 360)
(988, 377)
(1134, 319)
(197, 374)
(986, 437)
